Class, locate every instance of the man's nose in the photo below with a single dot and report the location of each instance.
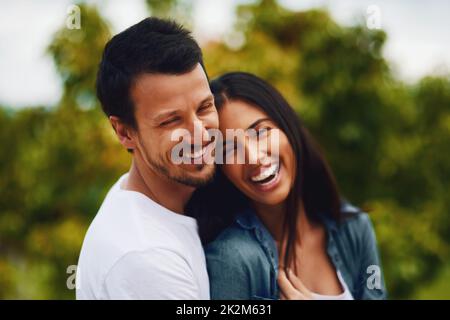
(198, 132)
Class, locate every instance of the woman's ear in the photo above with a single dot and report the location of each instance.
(124, 132)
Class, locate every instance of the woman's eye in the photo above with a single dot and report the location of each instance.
(262, 131)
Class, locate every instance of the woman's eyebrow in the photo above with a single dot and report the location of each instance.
(254, 124)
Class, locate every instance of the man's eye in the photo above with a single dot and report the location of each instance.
(169, 121)
(204, 108)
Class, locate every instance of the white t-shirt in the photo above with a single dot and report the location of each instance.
(137, 249)
(346, 295)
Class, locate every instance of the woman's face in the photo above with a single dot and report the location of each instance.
(268, 172)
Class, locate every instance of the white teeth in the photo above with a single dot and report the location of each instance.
(196, 154)
(266, 173)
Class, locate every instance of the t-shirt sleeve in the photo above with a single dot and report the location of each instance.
(151, 275)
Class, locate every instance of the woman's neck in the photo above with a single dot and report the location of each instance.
(272, 216)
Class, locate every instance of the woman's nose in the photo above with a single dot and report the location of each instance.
(255, 152)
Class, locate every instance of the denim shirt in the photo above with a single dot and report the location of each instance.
(242, 261)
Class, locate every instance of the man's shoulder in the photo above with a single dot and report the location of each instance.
(132, 272)
(128, 221)
(118, 230)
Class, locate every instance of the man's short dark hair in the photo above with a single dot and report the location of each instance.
(151, 46)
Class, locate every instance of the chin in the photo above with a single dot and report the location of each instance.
(272, 200)
(270, 197)
(202, 172)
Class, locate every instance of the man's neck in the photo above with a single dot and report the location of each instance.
(161, 189)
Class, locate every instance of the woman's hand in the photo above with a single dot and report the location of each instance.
(291, 287)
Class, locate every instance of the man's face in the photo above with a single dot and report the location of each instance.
(164, 103)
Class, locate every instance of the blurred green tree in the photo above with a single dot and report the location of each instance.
(58, 165)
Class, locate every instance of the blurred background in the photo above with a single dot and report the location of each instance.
(370, 80)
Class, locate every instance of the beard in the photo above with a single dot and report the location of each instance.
(182, 176)
(178, 174)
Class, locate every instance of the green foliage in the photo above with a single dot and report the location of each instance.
(76, 53)
(56, 167)
(387, 142)
(178, 10)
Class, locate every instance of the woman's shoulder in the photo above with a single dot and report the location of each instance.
(355, 231)
(355, 219)
(234, 241)
(236, 264)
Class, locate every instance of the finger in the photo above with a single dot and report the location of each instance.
(298, 284)
(287, 288)
(296, 296)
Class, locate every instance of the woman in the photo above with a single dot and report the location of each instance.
(277, 228)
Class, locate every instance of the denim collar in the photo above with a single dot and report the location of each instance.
(248, 219)
(330, 223)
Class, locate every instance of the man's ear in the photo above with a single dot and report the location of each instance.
(123, 132)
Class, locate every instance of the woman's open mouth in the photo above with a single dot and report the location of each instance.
(267, 177)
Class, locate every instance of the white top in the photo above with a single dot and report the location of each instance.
(137, 249)
(346, 295)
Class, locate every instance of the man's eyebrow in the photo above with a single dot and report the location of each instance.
(167, 114)
(254, 124)
(208, 98)
(164, 115)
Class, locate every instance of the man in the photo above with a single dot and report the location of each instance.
(151, 81)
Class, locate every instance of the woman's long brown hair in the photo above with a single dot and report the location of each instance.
(215, 205)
